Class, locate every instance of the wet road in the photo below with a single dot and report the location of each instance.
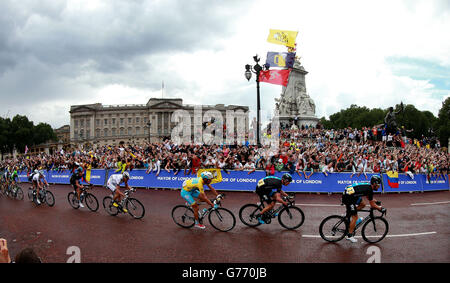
(419, 231)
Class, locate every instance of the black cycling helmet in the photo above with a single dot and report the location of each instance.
(287, 177)
(375, 179)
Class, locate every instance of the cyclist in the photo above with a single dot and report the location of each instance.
(37, 178)
(352, 198)
(114, 185)
(193, 188)
(269, 190)
(75, 182)
(13, 179)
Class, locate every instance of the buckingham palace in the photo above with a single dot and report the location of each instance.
(99, 125)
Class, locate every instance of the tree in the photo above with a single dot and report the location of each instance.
(442, 124)
(20, 132)
(5, 126)
(43, 132)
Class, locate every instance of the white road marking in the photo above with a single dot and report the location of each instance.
(387, 236)
(430, 203)
(316, 204)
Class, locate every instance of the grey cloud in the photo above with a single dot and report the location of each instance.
(49, 52)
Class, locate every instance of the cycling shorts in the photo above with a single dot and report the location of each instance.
(351, 203)
(111, 187)
(266, 194)
(190, 195)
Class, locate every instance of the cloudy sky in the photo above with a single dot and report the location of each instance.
(57, 53)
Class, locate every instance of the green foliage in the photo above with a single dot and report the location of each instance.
(355, 117)
(421, 122)
(20, 132)
(442, 123)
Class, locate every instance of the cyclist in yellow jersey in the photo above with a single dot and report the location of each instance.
(193, 188)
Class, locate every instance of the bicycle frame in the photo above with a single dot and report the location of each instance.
(369, 217)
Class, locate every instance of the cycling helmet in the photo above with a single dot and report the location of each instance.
(36, 171)
(79, 169)
(206, 175)
(287, 177)
(125, 174)
(375, 179)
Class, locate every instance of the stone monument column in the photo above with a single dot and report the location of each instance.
(294, 103)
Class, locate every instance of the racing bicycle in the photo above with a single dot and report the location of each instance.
(220, 218)
(290, 217)
(134, 207)
(14, 191)
(89, 199)
(44, 196)
(374, 228)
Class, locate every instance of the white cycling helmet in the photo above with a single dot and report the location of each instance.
(126, 175)
(207, 175)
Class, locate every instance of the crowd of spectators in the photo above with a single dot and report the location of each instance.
(304, 151)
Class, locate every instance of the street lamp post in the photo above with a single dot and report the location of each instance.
(256, 69)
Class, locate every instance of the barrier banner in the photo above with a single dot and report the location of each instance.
(22, 176)
(62, 177)
(434, 184)
(97, 177)
(404, 184)
(242, 181)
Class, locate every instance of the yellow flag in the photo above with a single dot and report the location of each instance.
(88, 173)
(283, 37)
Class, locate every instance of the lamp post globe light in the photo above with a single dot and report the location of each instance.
(256, 69)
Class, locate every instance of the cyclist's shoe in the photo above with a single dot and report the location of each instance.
(124, 210)
(38, 201)
(351, 238)
(115, 204)
(200, 226)
(260, 220)
(81, 205)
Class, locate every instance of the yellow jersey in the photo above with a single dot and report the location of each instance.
(194, 184)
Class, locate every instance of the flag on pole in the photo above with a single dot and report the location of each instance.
(283, 37)
(280, 59)
(277, 77)
(26, 149)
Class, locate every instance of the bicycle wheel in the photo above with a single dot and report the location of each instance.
(91, 202)
(247, 214)
(333, 228)
(107, 205)
(19, 193)
(222, 219)
(375, 230)
(73, 200)
(291, 218)
(135, 208)
(50, 198)
(183, 216)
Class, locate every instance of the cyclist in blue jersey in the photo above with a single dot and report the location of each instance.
(269, 190)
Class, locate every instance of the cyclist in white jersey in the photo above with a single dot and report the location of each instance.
(37, 183)
(113, 184)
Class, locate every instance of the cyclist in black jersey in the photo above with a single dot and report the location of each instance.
(352, 198)
(75, 181)
(269, 190)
